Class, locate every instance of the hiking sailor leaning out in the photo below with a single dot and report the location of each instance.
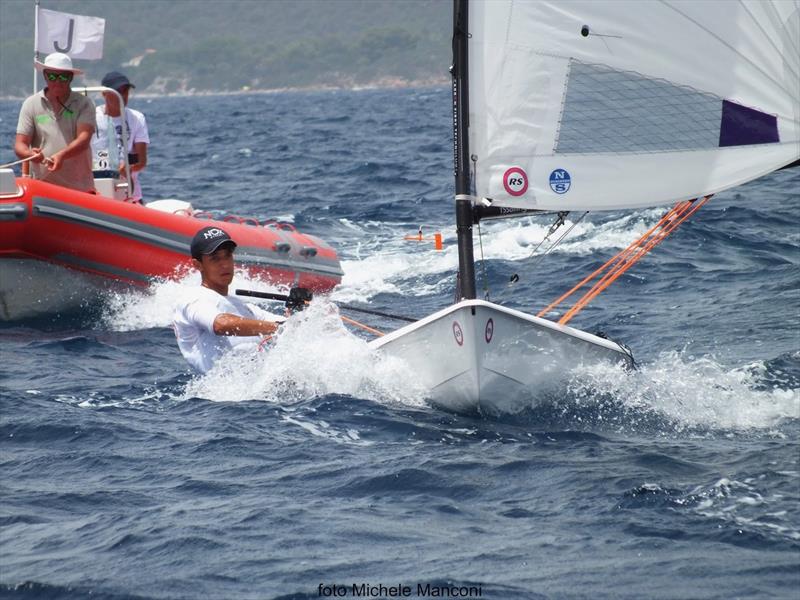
(55, 128)
(208, 322)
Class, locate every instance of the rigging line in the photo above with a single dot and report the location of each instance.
(361, 325)
(555, 244)
(633, 253)
(620, 269)
(556, 224)
(616, 271)
(376, 312)
(483, 264)
(289, 298)
(611, 260)
(667, 228)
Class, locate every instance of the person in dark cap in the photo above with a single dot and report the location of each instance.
(107, 150)
(209, 322)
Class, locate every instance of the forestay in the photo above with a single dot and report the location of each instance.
(588, 105)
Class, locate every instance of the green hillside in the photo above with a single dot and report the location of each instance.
(228, 45)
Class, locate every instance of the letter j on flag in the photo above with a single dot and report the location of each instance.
(75, 35)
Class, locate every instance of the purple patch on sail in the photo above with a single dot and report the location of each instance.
(742, 126)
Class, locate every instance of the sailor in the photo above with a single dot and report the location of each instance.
(55, 128)
(208, 322)
(106, 147)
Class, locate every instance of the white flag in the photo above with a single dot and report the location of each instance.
(74, 35)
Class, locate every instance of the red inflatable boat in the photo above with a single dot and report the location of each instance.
(58, 245)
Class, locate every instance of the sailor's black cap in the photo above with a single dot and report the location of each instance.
(207, 240)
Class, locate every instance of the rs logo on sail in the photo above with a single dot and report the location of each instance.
(560, 181)
(515, 181)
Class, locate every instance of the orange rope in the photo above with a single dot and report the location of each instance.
(361, 325)
(625, 259)
(633, 253)
(620, 255)
(667, 228)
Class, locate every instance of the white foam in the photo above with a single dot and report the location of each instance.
(313, 355)
(396, 273)
(384, 263)
(741, 504)
(518, 242)
(320, 428)
(153, 307)
(692, 393)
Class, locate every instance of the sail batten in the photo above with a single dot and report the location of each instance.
(611, 105)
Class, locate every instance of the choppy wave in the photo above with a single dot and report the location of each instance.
(681, 393)
(386, 263)
(740, 509)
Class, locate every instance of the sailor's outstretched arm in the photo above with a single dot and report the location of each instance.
(228, 324)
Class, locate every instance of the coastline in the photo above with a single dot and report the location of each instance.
(383, 83)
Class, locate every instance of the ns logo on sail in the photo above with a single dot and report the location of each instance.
(560, 181)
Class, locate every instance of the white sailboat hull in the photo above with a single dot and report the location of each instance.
(476, 356)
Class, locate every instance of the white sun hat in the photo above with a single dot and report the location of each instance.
(57, 62)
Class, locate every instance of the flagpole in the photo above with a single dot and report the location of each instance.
(26, 166)
(35, 46)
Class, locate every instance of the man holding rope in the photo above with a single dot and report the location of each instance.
(55, 128)
(208, 322)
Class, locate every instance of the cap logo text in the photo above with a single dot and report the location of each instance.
(213, 233)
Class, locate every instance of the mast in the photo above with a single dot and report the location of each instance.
(464, 216)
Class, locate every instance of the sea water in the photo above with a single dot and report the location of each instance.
(317, 469)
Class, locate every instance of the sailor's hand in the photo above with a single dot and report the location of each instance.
(54, 162)
(36, 155)
(122, 170)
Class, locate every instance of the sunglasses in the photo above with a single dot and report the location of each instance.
(58, 76)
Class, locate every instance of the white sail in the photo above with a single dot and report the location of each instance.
(590, 105)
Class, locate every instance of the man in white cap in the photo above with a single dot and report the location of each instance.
(107, 143)
(55, 128)
(209, 322)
